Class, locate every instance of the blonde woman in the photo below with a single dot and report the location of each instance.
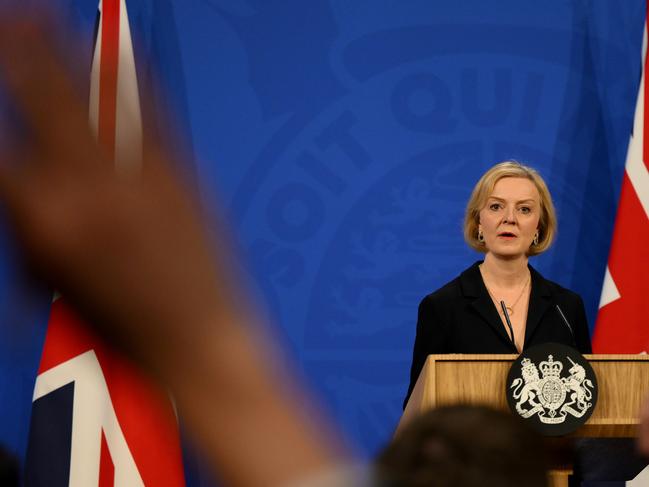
(501, 304)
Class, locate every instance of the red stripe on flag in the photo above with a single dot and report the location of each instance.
(622, 325)
(147, 421)
(106, 466)
(145, 414)
(108, 69)
(66, 337)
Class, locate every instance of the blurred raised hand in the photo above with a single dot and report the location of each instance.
(131, 253)
(133, 256)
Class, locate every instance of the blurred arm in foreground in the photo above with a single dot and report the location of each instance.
(134, 258)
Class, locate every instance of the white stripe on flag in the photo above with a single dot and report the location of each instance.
(92, 413)
(610, 291)
(128, 129)
(128, 117)
(635, 167)
(93, 104)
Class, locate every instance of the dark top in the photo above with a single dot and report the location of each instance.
(461, 317)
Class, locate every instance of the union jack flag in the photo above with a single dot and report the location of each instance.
(96, 420)
(622, 325)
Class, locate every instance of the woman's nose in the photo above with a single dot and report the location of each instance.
(510, 216)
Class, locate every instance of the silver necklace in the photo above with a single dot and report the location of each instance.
(510, 309)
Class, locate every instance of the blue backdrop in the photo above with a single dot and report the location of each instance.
(343, 138)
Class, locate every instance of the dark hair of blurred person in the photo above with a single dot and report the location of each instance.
(465, 446)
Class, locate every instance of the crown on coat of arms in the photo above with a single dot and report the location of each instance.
(527, 365)
(550, 368)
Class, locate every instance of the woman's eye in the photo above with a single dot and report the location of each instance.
(494, 206)
(524, 209)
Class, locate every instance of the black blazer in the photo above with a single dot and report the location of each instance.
(461, 317)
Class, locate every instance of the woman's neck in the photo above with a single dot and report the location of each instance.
(505, 272)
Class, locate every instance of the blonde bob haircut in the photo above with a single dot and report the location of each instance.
(484, 188)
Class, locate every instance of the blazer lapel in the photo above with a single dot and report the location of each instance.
(540, 301)
(473, 287)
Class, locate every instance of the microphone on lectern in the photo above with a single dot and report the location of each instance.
(509, 323)
(567, 323)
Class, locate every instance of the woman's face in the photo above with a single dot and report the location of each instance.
(510, 218)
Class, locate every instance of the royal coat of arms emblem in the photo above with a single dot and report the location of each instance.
(549, 394)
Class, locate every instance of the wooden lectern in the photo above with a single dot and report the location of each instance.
(623, 382)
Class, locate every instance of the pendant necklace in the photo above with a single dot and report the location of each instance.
(510, 309)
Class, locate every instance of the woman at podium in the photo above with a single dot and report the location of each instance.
(501, 304)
